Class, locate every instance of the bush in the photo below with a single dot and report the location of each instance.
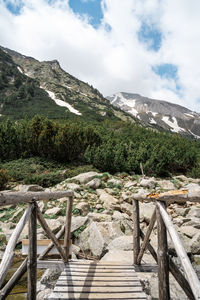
(4, 178)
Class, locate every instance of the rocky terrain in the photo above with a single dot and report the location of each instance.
(159, 114)
(102, 220)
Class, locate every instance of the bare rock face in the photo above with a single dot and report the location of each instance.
(77, 222)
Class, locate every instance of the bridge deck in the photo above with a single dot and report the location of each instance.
(98, 280)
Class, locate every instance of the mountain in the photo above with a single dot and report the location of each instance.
(29, 87)
(159, 114)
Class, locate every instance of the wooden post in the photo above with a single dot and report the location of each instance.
(163, 259)
(136, 231)
(182, 281)
(67, 236)
(10, 249)
(146, 239)
(186, 264)
(32, 254)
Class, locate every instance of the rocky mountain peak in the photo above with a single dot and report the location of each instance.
(159, 113)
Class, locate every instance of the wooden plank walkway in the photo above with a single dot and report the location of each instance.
(98, 280)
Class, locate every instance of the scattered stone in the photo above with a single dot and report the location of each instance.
(73, 187)
(44, 294)
(29, 188)
(149, 183)
(99, 217)
(126, 197)
(94, 184)
(194, 213)
(54, 224)
(83, 207)
(85, 177)
(17, 215)
(114, 182)
(182, 211)
(195, 244)
(166, 185)
(55, 211)
(129, 184)
(146, 211)
(50, 275)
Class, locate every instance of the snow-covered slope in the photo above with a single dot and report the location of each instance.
(157, 113)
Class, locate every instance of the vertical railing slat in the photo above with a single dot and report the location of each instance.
(136, 231)
(67, 235)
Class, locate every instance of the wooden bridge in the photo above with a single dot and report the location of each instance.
(98, 280)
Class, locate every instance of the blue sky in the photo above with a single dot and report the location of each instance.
(150, 47)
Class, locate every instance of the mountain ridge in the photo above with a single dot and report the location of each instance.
(159, 113)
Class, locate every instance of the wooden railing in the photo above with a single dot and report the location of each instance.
(32, 214)
(188, 281)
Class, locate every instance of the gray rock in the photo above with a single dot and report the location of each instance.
(55, 211)
(114, 182)
(182, 211)
(99, 217)
(149, 183)
(166, 185)
(130, 184)
(194, 213)
(189, 231)
(83, 207)
(109, 201)
(41, 206)
(50, 275)
(94, 183)
(44, 295)
(85, 177)
(73, 187)
(195, 244)
(119, 256)
(117, 215)
(126, 197)
(146, 211)
(127, 208)
(54, 224)
(77, 222)
(121, 243)
(30, 188)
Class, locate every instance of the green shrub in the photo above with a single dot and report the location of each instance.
(4, 178)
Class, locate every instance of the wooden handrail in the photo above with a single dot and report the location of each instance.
(187, 266)
(7, 198)
(9, 252)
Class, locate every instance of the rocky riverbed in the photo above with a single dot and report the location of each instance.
(102, 220)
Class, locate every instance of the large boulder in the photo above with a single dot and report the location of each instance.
(189, 231)
(108, 200)
(121, 243)
(29, 188)
(83, 207)
(77, 222)
(166, 185)
(97, 236)
(99, 217)
(149, 183)
(94, 183)
(55, 211)
(119, 256)
(194, 213)
(146, 211)
(114, 182)
(85, 177)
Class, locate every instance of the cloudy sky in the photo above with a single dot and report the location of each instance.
(150, 47)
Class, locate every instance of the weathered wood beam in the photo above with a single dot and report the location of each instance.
(170, 196)
(9, 252)
(50, 234)
(136, 231)
(32, 254)
(67, 236)
(146, 239)
(7, 198)
(13, 280)
(163, 258)
(182, 281)
(187, 266)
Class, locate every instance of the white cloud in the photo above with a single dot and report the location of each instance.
(113, 60)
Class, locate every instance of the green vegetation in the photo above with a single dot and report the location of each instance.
(4, 178)
(45, 152)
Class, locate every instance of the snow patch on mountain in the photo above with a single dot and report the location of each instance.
(152, 121)
(196, 136)
(174, 125)
(20, 70)
(63, 103)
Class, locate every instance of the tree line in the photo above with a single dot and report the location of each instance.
(112, 147)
